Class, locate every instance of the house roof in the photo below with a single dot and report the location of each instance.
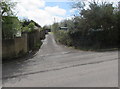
(63, 27)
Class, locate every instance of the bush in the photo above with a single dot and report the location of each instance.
(10, 26)
(25, 29)
(96, 27)
(38, 45)
(63, 37)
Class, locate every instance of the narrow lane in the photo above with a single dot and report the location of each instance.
(57, 65)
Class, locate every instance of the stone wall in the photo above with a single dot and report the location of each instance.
(14, 47)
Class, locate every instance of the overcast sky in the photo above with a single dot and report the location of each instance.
(44, 11)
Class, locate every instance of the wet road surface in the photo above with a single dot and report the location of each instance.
(59, 66)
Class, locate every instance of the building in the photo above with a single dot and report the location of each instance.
(63, 28)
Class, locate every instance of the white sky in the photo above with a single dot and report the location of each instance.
(38, 11)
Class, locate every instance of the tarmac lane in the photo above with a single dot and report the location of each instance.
(55, 65)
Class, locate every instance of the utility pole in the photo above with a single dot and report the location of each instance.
(54, 20)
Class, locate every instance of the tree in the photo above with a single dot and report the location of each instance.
(10, 26)
(95, 27)
(6, 7)
(79, 5)
(55, 27)
(25, 29)
(10, 23)
(67, 23)
(98, 16)
(31, 26)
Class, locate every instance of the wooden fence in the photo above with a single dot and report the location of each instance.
(12, 48)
